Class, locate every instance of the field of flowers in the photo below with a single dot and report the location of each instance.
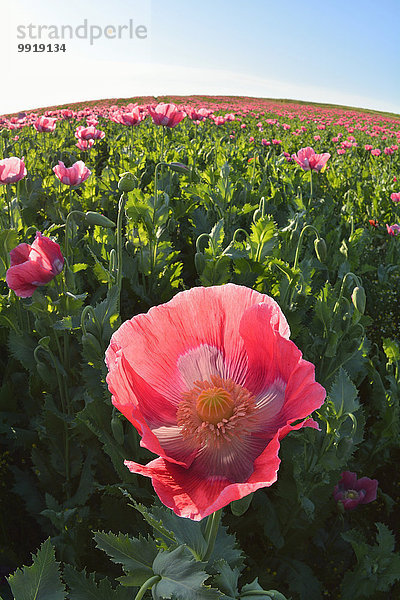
(200, 351)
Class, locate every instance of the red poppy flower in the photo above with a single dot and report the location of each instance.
(212, 383)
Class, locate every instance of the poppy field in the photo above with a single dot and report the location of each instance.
(200, 351)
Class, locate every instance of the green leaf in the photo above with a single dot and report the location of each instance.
(239, 507)
(255, 587)
(136, 555)
(84, 587)
(227, 578)
(343, 394)
(41, 581)
(301, 579)
(22, 348)
(391, 350)
(181, 577)
(185, 531)
(226, 548)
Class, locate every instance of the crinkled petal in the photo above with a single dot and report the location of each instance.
(195, 497)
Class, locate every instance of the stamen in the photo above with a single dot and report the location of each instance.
(214, 412)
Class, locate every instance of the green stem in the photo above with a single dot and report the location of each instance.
(67, 227)
(162, 144)
(356, 279)
(296, 258)
(121, 208)
(146, 586)
(311, 187)
(211, 532)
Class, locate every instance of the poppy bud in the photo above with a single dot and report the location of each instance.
(320, 249)
(92, 344)
(127, 183)
(199, 262)
(94, 218)
(117, 430)
(179, 167)
(358, 299)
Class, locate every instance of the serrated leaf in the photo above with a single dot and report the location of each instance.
(255, 587)
(343, 394)
(40, 581)
(226, 548)
(227, 578)
(22, 348)
(185, 531)
(84, 587)
(181, 577)
(136, 555)
(301, 579)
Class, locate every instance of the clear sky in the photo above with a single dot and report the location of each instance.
(338, 51)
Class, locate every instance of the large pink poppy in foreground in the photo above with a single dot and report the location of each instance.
(212, 384)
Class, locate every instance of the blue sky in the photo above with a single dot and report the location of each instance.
(342, 52)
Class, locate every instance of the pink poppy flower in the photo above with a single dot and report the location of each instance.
(12, 170)
(132, 118)
(45, 124)
(395, 196)
(309, 160)
(74, 175)
(212, 395)
(376, 152)
(393, 229)
(351, 491)
(89, 133)
(33, 265)
(84, 144)
(166, 114)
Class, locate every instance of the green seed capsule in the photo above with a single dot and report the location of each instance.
(127, 183)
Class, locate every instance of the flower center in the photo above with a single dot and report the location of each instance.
(214, 404)
(351, 494)
(215, 412)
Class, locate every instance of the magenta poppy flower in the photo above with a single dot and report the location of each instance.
(33, 265)
(89, 133)
(12, 170)
(351, 491)
(212, 383)
(45, 124)
(309, 160)
(166, 114)
(395, 196)
(393, 229)
(74, 175)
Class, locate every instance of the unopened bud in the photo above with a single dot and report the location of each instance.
(117, 430)
(179, 167)
(320, 249)
(358, 299)
(94, 218)
(199, 262)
